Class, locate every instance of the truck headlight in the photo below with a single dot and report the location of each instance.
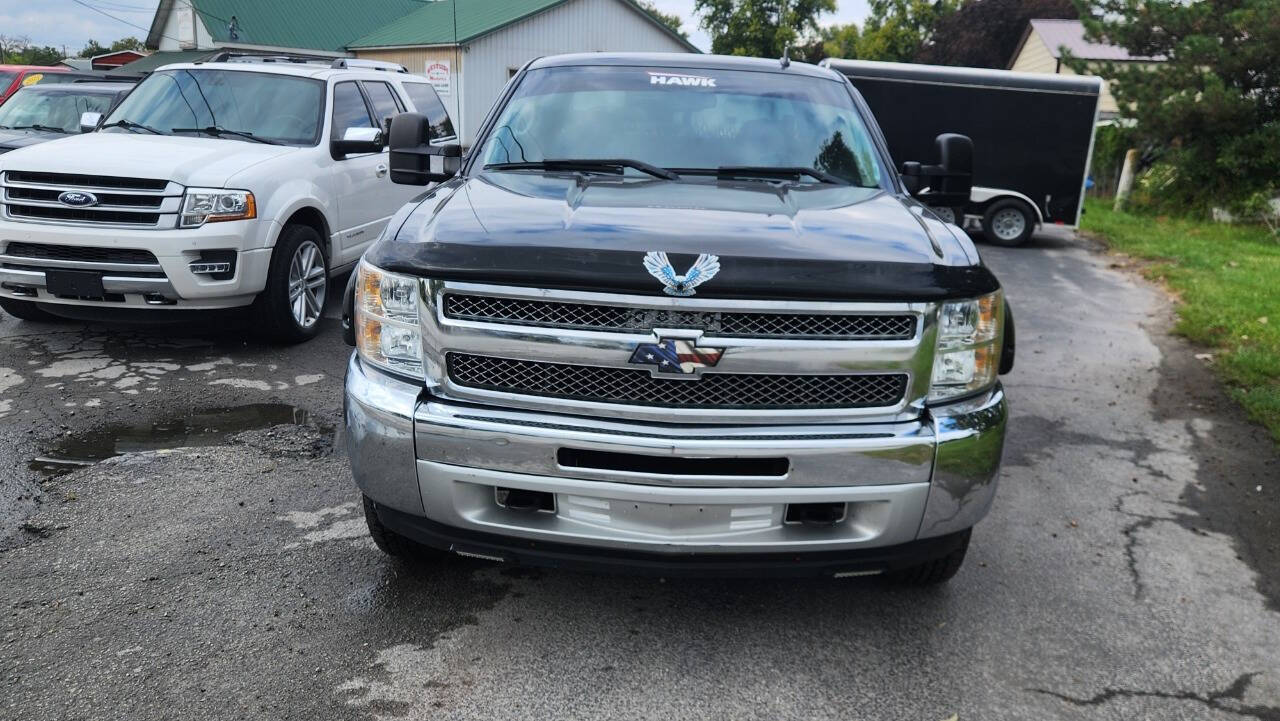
(968, 354)
(213, 205)
(388, 333)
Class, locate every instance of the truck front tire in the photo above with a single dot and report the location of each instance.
(1008, 222)
(289, 309)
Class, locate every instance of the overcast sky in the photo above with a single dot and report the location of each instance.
(69, 23)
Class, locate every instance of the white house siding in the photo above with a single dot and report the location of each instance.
(184, 29)
(1035, 57)
(573, 27)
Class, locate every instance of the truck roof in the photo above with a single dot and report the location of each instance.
(983, 77)
(685, 60)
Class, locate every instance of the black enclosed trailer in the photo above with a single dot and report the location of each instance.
(1032, 135)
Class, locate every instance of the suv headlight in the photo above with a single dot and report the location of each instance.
(213, 205)
(968, 354)
(388, 333)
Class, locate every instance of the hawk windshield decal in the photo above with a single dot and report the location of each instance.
(695, 81)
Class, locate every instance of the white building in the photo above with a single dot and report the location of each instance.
(468, 48)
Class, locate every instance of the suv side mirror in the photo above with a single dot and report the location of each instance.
(89, 122)
(949, 182)
(356, 140)
(414, 160)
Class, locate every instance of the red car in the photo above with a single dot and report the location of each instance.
(13, 77)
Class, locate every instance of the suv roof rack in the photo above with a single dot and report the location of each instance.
(361, 64)
(233, 57)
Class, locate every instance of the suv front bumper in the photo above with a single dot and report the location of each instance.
(168, 283)
(432, 468)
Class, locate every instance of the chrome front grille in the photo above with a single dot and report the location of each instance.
(623, 319)
(733, 391)
(121, 202)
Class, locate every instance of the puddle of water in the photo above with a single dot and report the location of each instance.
(206, 428)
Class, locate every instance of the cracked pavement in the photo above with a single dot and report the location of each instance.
(1130, 567)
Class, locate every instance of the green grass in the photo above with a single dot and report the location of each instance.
(1227, 279)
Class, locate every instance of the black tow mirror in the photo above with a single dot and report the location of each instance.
(414, 160)
(947, 183)
(357, 141)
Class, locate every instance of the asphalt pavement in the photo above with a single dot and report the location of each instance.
(180, 538)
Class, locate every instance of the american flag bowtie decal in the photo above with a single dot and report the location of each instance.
(675, 356)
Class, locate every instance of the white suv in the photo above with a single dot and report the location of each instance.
(247, 181)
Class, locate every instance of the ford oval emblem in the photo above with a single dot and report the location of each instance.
(77, 199)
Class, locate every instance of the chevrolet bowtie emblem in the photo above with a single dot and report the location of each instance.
(676, 357)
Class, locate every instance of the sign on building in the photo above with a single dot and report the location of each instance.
(439, 75)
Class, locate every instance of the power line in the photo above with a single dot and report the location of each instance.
(100, 11)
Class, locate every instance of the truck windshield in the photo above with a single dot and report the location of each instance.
(685, 119)
(278, 108)
(56, 112)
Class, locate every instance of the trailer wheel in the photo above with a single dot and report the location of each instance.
(1008, 222)
(948, 214)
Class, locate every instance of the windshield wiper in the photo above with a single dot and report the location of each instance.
(217, 132)
(38, 126)
(130, 125)
(764, 171)
(588, 165)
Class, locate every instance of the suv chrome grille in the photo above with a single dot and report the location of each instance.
(131, 202)
(736, 391)
(623, 319)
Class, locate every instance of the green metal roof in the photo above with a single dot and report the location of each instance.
(155, 60)
(327, 25)
(433, 23)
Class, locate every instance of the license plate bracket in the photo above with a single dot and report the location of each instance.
(74, 283)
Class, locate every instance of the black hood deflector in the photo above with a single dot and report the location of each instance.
(545, 231)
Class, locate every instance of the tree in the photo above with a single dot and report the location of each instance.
(132, 43)
(985, 33)
(11, 46)
(92, 49)
(761, 28)
(1211, 101)
(35, 55)
(671, 20)
(898, 30)
(840, 41)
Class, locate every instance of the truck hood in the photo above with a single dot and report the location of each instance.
(188, 160)
(14, 139)
(773, 240)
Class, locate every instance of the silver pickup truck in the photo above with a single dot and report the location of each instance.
(677, 314)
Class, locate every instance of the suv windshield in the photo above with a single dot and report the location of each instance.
(685, 119)
(53, 111)
(280, 108)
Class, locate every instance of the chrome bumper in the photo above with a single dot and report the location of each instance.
(443, 461)
(110, 283)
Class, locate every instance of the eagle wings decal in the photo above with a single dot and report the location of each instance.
(702, 270)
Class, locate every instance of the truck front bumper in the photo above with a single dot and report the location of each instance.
(436, 471)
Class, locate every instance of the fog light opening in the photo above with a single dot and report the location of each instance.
(816, 514)
(519, 499)
(25, 291)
